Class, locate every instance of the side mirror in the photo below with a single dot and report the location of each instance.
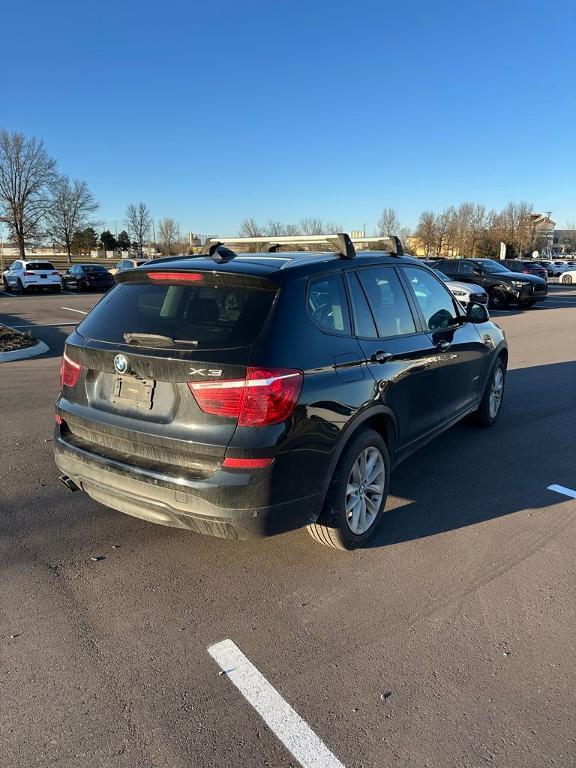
(477, 313)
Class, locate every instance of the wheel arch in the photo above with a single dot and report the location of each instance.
(379, 418)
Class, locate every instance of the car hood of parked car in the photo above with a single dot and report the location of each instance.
(521, 276)
(468, 287)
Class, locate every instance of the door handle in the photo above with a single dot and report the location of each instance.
(381, 357)
(443, 345)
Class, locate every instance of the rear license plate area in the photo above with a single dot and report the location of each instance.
(44, 277)
(127, 390)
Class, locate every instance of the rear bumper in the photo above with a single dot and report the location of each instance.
(225, 504)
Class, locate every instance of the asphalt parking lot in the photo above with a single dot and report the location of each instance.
(450, 642)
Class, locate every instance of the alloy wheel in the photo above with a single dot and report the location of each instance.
(364, 490)
(496, 392)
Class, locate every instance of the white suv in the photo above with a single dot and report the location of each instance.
(22, 276)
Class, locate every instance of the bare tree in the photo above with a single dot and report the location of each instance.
(69, 208)
(275, 228)
(169, 233)
(426, 231)
(26, 172)
(249, 228)
(388, 223)
(138, 220)
(311, 226)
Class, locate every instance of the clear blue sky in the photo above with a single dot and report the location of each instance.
(213, 111)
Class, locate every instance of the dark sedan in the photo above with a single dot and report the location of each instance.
(526, 267)
(87, 277)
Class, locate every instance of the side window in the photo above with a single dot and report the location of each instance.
(363, 320)
(13, 266)
(469, 269)
(434, 298)
(388, 301)
(327, 304)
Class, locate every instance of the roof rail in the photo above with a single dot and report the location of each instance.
(343, 244)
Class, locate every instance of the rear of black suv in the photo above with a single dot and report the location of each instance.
(167, 413)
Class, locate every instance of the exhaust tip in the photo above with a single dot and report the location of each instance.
(69, 483)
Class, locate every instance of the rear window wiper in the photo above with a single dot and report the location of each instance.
(156, 340)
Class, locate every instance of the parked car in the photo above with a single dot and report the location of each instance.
(87, 277)
(23, 276)
(127, 264)
(464, 292)
(526, 267)
(552, 270)
(503, 286)
(245, 395)
(568, 277)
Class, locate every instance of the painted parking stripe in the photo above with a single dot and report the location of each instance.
(286, 724)
(80, 311)
(10, 295)
(563, 491)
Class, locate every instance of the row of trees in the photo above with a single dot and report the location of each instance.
(471, 228)
(274, 228)
(37, 202)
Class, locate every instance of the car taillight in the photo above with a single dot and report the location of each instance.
(54, 273)
(29, 274)
(266, 396)
(69, 372)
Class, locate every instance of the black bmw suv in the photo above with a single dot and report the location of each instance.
(502, 285)
(249, 394)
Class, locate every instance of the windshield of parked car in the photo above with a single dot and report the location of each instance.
(441, 275)
(492, 266)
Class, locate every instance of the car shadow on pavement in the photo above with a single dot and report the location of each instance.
(54, 336)
(471, 475)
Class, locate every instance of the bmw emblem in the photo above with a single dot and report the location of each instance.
(121, 364)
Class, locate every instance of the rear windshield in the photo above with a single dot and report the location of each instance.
(207, 316)
(94, 268)
(39, 265)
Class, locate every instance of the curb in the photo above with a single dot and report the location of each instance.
(22, 354)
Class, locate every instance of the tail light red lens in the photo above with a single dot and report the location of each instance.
(69, 372)
(29, 274)
(266, 396)
(54, 273)
(246, 463)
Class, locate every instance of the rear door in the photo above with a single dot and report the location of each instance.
(399, 355)
(144, 347)
(461, 356)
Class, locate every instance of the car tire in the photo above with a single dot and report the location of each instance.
(7, 286)
(497, 299)
(527, 302)
(56, 288)
(567, 279)
(491, 403)
(21, 288)
(343, 522)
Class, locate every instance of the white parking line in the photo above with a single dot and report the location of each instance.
(296, 735)
(80, 311)
(10, 295)
(563, 491)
